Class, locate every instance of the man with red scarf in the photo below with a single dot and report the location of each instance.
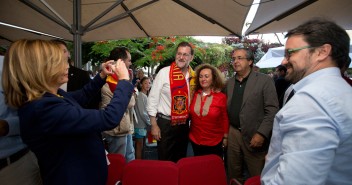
(168, 105)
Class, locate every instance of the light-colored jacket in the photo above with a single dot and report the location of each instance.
(126, 125)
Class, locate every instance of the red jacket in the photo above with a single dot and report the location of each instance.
(209, 120)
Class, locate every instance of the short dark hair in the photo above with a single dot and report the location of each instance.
(281, 68)
(185, 44)
(118, 53)
(317, 32)
(144, 79)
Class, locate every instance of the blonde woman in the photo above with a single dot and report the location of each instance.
(64, 136)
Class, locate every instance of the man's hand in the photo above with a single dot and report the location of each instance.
(155, 128)
(257, 141)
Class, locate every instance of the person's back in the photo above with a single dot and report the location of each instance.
(340, 92)
(335, 101)
(18, 165)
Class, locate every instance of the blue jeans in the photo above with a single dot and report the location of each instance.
(121, 145)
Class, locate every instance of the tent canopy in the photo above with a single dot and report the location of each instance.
(282, 15)
(120, 19)
(274, 57)
(94, 20)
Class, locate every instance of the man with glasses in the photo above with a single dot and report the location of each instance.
(168, 103)
(252, 104)
(312, 134)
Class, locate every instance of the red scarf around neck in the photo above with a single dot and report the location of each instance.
(179, 95)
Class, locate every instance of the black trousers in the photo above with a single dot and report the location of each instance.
(174, 140)
(206, 150)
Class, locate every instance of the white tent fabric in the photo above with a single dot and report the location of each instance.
(120, 19)
(95, 20)
(274, 57)
(281, 15)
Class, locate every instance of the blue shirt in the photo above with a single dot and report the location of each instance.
(312, 134)
(11, 143)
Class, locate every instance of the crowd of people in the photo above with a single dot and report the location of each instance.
(294, 129)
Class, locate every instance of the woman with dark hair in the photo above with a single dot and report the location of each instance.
(209, 120)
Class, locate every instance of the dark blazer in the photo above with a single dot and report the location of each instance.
(77, 78)
(281, 85)
(66, 138)
(259, 106)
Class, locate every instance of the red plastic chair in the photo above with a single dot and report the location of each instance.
(202, 170)
(253, 181)
(115, 169)
(150, 172)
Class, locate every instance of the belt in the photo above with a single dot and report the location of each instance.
(159, 115)
(13, 158)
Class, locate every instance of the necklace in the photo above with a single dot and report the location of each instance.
(204, 93)
(59, 96)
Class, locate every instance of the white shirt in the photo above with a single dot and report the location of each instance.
(159, 99)
(312, 134)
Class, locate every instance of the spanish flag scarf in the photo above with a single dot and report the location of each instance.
(112, 80)
(179, 94)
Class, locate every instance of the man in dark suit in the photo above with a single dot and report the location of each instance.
(252, 104)
(281, 84)
(77, 77)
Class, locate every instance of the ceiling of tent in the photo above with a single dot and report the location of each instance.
(128, 18)
(281, 15)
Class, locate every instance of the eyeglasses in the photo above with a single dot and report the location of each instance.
(183, 54)
(238, 58)
(289, 52)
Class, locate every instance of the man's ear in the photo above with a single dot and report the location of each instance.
(324, 51)
(251, 62)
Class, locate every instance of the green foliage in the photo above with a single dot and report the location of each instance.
(103, 48)
(150, 52)
(162, 49)
(217, 54)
